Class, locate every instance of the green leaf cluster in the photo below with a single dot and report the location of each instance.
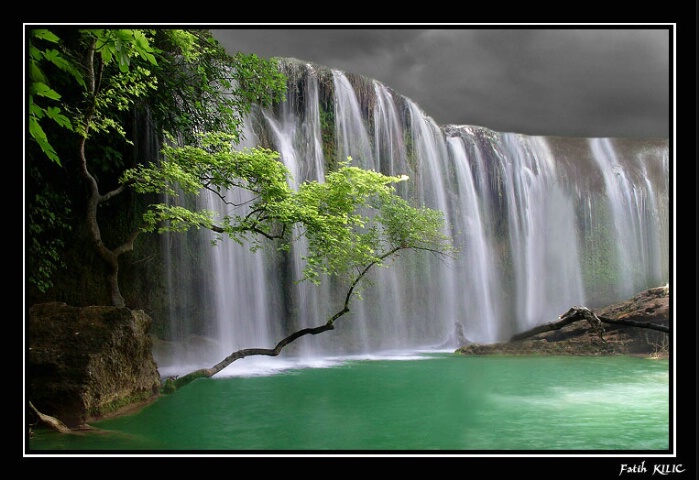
(355, 219)
(43, 100)
(214, 164)
(352, 219)
(203, 89)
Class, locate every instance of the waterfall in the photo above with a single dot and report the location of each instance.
(541, 224)
(634, 209)
(477, 268)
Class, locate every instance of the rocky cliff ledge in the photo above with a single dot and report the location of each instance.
(88, 363)
(649, 306)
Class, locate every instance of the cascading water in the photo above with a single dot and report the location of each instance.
(476, 267)
(542, 231)
(542, 223)
(634, 209)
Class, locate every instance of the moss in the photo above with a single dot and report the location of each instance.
(169, 386)
(119, 404)
(327, 128)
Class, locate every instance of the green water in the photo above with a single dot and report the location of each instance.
(430, 402)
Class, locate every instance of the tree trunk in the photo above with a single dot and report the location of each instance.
(172, 384)
(576, 314)
(94, 198)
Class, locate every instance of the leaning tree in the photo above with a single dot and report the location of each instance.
(197, 97)
(353, 221)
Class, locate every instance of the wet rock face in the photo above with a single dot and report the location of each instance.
(649, 306)
(87, 363)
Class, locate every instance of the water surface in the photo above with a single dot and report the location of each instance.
(434, 402)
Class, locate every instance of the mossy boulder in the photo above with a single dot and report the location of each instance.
(87, 363)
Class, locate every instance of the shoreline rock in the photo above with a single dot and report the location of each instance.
(652, 305)
(88, 363)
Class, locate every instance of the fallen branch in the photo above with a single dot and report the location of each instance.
(51, 422)
(546, 327)
(576, 314)
(630, 323)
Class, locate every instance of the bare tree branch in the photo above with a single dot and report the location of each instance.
(576, 314)
(172, 384)
(51, 422)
